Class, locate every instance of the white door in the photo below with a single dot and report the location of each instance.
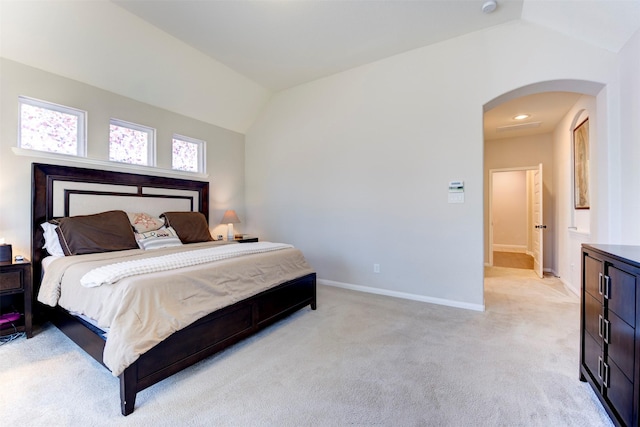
(538, 237)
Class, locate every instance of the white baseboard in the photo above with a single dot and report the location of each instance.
(403, 295)
(569, 286)
(564, 282)
(510, 248)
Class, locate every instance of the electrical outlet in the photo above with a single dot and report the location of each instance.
(376, 268)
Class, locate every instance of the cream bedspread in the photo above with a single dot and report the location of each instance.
(141, 311)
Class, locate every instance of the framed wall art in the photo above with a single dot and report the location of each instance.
(581, 165)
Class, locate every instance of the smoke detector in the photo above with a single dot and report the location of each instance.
(489, 6)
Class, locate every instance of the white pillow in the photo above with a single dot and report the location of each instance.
(156, 239)
(51, 241)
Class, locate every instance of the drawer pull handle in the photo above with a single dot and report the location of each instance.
(607, 330)
(600, 283)
(600, 277)
(600, 367)
(607, 287)
(600, 326)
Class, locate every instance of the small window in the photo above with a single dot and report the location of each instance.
(132, 143)
(188, 154)
(51, 127)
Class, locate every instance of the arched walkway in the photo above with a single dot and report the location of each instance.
(564, 216)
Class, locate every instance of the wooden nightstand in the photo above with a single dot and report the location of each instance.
(15, 295)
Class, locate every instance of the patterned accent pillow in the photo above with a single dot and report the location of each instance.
(143, 222)
(156, 239)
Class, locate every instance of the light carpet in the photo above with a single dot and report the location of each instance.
(360, 359)
(512, 260)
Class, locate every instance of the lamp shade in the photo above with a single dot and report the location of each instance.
(230, 217)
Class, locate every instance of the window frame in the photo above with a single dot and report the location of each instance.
(151, 145)
(81, 143)
(202, 152)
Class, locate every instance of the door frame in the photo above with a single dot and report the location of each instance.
(491, 172)
(538, 220)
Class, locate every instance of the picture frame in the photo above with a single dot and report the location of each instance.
(581, 165)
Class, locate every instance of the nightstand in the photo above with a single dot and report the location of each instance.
(246, 239)
(15, 295)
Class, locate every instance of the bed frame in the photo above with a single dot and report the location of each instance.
(203, 338)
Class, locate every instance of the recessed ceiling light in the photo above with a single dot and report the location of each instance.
(521, 117)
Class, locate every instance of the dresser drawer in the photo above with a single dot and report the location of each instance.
(593, 315)
(622, 292)
(593, 269)
(11, 280)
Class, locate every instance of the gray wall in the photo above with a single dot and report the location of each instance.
(354, 168)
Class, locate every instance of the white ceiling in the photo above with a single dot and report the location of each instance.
(547, 109)
(280, 44)
(283, 43)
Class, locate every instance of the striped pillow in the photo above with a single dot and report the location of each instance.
(156, 239)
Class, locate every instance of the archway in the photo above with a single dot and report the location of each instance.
(594, 94)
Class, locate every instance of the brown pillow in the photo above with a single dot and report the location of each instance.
(191, 226)
(103, 232)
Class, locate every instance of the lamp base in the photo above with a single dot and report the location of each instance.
(230, 232)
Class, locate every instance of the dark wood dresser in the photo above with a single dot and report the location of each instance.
(610, 328)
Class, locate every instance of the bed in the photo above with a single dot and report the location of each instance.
(69, 192)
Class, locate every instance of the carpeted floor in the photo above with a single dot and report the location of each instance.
(360, 359)
(512, 260)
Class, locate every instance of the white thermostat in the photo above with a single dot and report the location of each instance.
(456, 192)
(456, 187)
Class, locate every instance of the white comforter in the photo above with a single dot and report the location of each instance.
(142, 310)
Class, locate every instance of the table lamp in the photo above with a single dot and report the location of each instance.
(230, 217)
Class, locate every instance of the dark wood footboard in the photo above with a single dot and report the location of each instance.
(203, 338)
(214, 333)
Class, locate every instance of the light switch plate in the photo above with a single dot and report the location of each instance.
(456, 197)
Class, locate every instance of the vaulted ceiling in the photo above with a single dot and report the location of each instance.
(283, 43)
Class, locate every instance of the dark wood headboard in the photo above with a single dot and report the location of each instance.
(138, 187)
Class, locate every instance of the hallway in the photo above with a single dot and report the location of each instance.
(512, 260)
